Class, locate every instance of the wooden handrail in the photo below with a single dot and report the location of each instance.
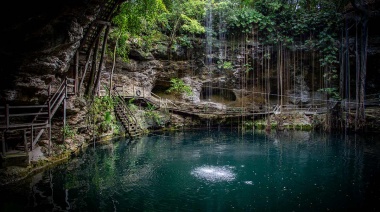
(155, 95)
(54, 108)
(172, 103)
(27, 106)
(57, 93)
(21, 113)
(27, 114)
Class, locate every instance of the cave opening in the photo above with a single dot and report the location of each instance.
(160, 89)
(219, 95)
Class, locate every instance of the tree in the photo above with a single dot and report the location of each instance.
(183, 18)
(136, 19)
(361, 68)
(178, 87)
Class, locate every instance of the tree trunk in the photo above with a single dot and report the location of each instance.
(113, 68)
(363, 73)
(90, 83)
(364, 15)
(357, 79)
(98, 76)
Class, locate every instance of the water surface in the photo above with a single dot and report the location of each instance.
(210, 171)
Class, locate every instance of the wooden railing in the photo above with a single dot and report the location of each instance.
(235, 110)
(57, 98)
(22, 113)
(135, 91)
(120, 101)
(140, 92)
(312, 109)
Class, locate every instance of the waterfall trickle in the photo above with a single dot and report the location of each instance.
(222, 57)
(209, 32)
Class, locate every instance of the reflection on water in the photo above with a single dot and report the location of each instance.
(210, 171)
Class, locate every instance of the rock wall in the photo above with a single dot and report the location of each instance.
(39, 42)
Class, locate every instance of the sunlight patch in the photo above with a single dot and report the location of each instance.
(214, 173)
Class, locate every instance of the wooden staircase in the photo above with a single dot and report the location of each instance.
(92, 35)
(17, 118)
(126, 116)
(93, 31)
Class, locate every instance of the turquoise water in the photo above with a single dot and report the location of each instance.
(210, 171)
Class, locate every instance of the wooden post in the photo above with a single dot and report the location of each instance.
(7, 115)
(3, 143)
(85, 69)
(76, 71)
(49, 125)
(31, 141)
(25, 143)
(64, 116)
(65, 87)
(64, 109)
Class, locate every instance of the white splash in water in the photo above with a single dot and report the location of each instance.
(214, 173)
(248, 182)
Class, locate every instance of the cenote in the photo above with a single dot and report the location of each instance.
(210, 171)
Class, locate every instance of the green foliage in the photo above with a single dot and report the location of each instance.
(243, 19)
(108, 117)
(184, 41)
(224, 65)
(136, 24)
(185, 16)
(332, 92)
(131, 105)
(131, 100)
(151, 113)
(177, 87)
(247, 67)
(182, 21)
(279, 21)
(150, 107)
(191, 25)
(306, 24)
(248, 124)
(68, 132)
(101, 115)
